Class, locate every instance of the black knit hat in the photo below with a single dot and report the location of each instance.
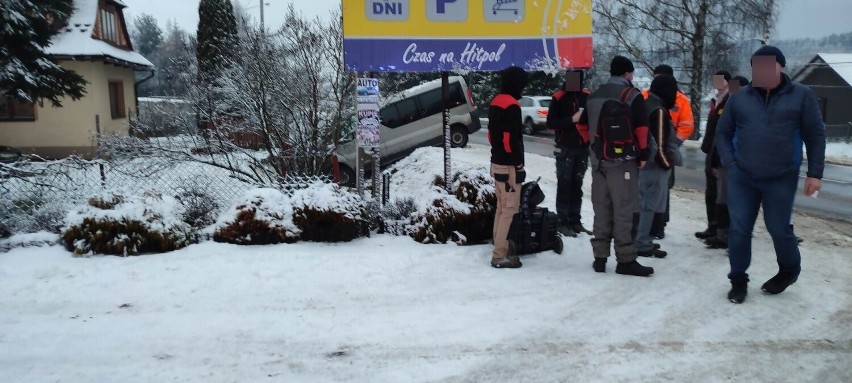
(665, 87)
(664, 69)
(512, 81)
(620, 65)
(724, 73)
(769, 50)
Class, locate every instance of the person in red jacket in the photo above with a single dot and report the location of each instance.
(507, 161)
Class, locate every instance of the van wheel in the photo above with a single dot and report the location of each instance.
(458, 137)
(528, 127)
(347, 176)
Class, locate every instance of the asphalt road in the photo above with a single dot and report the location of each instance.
(834, 201)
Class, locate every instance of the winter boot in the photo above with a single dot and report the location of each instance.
(633, 268)
(705, 234)
(599, 265)
(654, 252)
(578, 228)
(566, 231)
(779, 283)
(715, 243)
(739, 289)
(506, 263)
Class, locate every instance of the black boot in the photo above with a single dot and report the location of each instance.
(715, 243)
(705, 234)
(654, 252)
(599, 265)
(633, 268)
(739, 289)
(779, 283)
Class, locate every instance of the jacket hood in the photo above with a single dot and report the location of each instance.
(665, 87)
(512, 81)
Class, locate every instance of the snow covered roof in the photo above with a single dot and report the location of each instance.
(76, 38)
(841, 63)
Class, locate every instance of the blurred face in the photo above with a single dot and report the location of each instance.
(765, 72)
(629, 76)
(719, 82)
(573, 81)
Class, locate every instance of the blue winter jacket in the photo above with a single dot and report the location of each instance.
(762, 134)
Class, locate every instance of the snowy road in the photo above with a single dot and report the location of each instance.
(387, 309)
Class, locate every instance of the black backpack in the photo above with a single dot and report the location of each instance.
(614, 134)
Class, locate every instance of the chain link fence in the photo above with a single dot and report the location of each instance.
(36, 195)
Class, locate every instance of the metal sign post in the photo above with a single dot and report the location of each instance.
(445, 91)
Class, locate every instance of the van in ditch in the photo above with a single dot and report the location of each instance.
(413, 119)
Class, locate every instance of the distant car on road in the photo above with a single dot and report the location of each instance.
(534, 113)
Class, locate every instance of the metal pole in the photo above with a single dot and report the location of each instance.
(261, 16)
(445, 88)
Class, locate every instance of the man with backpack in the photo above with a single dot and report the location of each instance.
(759, 138)
(571, 152)
(616, 124)
(665, 154)
(507, 161)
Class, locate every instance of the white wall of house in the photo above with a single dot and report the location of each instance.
(71, 129)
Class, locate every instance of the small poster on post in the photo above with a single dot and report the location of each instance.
(368, 113)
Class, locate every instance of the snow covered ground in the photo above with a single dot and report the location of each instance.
(387, 309)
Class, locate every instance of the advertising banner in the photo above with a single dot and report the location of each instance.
(488, 35)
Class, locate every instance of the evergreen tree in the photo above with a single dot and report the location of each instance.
(26, 72)
(217, 37)
(147, 36)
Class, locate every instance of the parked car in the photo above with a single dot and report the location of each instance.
(414, 119)
(534, 113)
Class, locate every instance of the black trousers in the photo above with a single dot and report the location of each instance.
(571, 166)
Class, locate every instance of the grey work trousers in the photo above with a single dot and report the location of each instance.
(614, 199)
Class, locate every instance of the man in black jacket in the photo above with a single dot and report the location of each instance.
(507, 161)
(717, 106)
(572, 152)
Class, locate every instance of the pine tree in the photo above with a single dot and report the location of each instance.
(147, 36)
(217, 37)
(26, 72)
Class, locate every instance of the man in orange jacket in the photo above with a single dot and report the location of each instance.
(684, 125)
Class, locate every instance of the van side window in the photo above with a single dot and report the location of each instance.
(526, 102)
(456, 95)
(431, 102)
(389, 116)
(408, 111)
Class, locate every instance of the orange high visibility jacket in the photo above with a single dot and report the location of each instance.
(681, 115)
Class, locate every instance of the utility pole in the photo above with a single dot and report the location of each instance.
(768, 20)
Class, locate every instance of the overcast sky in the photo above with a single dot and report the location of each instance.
(799, 18)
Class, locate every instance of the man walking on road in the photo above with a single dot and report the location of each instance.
(759, 139)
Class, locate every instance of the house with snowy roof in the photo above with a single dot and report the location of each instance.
(829, 75)
(95, 44)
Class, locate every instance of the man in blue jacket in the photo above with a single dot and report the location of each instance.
(759, 139)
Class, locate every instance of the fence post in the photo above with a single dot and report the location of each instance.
(385, 188)
(98, 149)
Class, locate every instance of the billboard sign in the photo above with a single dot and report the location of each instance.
(489, 35)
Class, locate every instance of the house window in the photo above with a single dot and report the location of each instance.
(12, 109)
(109, 30)
(116, 99)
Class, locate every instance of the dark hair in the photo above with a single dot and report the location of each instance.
(512, 81)
(742, 80)
(664, 69)
(723, 73)
(664, 86)
(620, 65)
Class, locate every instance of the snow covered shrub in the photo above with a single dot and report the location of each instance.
(396, 215)
(201, 208)
(328, 213)
(465, 216)
(33, 214)
(264, 216)
(127, 224)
